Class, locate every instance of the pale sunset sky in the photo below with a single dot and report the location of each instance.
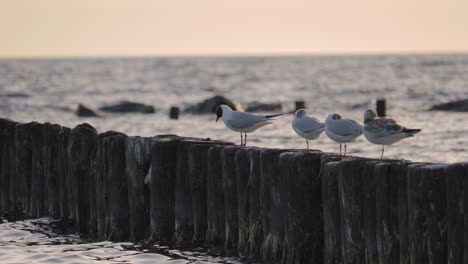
(65, 28)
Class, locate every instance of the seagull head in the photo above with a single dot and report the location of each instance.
(300, 113)
(369, 115)
(334, 116)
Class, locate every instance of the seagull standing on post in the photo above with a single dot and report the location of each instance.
(306, 127)
(242, 122)
(342, 130)
(384, 131)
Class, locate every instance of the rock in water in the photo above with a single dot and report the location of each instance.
(128, 107)
(84, 111)
(209, 105)
(456, 106)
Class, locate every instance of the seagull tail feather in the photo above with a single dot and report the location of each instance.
(271, 116)
(411, 132)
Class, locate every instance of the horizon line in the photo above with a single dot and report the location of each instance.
(235, 55)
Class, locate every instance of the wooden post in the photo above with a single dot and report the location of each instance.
(102, 189)
(8, 167)
(198, 164)
(23, 164)
(138, 160)
(37, 171)
(82, 146)
(162, 187)
(352, 190)
(299, 105)
(242, 160)
(216, 231)
(331, 210)
(228, 155)
(380, 107)
(427, 213)
(183, 232)
(300, 175)
(118, 214)
(456, 184)
(174, 112)
(388, 227)
(255, 231)
(64, 195)
(51, 167)
(272, 205)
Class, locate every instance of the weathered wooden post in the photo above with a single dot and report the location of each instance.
(272, 205)
(331, 210)
(352, 174)
(118, 215)
(427, 213)
(23, 164)
(174, 112)
(137, 161)
(162, 187)
(37, 171)
(102, 188)
(231, 239)
(255, 230)
(183, 232)
(216, 231)
(51, 167)
(82, 146)
(380, 107)
(300, 175)
(369, 209)
(8, 167)
(457, 175)
(388, 227)
(242, 159)
(64, 195)
(198, 170)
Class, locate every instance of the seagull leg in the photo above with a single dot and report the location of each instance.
(245, 139)
(381, 155)
(340, 149)
(307, 141)
(242, 140)
(345, 149)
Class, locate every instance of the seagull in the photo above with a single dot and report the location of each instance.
(306, 127)
(342, 130)
(242, 122)
(384, 131)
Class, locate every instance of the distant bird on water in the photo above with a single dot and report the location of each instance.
(384, 131)
(342, 130)
(306, 127)
(242, 122)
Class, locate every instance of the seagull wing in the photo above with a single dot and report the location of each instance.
(307, 124)
(346, 127)
(242, 120)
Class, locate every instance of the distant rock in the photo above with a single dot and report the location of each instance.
(209, 105)
(263, 107)
(16, 95)
(128, 107)
(456, 106)
(84, 111)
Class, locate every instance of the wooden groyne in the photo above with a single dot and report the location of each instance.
(272, 205)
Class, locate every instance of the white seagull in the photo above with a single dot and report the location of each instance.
(306, 127)
(242, 122)
(384, 131)
(342, 130)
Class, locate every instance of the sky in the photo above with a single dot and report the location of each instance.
(93, 28)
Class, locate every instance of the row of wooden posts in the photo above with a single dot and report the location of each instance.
(275, 205)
